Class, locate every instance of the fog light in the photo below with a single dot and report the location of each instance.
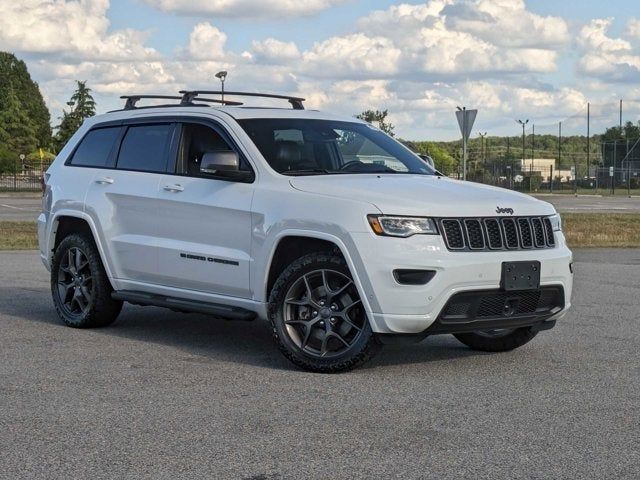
(413, 277)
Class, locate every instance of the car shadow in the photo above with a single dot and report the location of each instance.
(207, 339)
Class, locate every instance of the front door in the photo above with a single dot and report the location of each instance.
(204, 237)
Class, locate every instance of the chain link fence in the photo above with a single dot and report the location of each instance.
(594, 151)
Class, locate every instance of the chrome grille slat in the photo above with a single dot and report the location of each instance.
(497, 233)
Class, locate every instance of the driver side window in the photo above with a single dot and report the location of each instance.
(196, 140)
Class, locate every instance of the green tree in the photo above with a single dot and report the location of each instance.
(81, 106)
(15, 76)
(378, 117)
(17, 134)
(443, 161)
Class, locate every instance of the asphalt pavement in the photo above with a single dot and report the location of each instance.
(19, 207)
(164, 395)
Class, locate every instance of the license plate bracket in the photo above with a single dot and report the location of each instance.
(520, 276)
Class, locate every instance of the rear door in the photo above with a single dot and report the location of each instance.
(123, 201)
(205, 233)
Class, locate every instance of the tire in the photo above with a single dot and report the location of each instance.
(79, 285)
(307, 328)
(497, 341)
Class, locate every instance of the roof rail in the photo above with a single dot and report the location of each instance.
(132, 100)
(189, 96)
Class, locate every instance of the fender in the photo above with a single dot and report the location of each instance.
(354, 262)
(94, 231)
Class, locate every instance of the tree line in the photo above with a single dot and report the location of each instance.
(25, 121)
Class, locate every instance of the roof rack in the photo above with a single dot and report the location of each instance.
(132, 100)
(188, 96)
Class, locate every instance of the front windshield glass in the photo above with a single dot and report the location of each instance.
(317, 147)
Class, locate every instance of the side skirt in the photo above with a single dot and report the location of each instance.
(183, 305)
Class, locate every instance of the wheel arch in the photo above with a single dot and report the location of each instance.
(307, 242)
(65, 222)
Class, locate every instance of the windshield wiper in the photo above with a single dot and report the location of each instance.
(310, 171)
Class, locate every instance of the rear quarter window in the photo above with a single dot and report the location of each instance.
(94, 149)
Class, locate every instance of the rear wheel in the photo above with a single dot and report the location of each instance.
(318, 319)
(499, 340)
(79, 285)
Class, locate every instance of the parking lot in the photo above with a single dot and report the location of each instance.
(167, 395)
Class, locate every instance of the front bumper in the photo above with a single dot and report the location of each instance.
(411, 309)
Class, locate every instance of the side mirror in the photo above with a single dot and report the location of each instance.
(222, 161)
(225, 165)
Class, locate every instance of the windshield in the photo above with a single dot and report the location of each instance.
(321, 147)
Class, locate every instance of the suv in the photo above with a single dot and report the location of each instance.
(334, 232)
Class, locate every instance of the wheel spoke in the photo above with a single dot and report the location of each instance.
(85, 293)
(300, 303)
(339, 337)
(350, 306)
(341, 290)
(71, 261)
(307, 334)
(67, 287)
(345, 318)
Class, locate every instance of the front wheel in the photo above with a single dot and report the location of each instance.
(317, 316)
(499, 340)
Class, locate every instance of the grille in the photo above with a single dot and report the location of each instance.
(489, 304)
(453, 234)
(549, 232)
(482, 234)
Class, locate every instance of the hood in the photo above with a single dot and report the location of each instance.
(424, 195)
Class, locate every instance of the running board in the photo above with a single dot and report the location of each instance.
(183, 305)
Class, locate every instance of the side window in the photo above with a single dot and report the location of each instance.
(198, 139)
(144, 148)
(95, 147)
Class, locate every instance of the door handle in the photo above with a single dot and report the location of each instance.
(105, 181)
(174, 188)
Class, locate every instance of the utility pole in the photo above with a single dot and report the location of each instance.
(589, 142)
(483, 154)
(524, 159)
(620, 116)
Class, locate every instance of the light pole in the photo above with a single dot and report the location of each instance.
(523, 140)
(222, 76)
(483, 153)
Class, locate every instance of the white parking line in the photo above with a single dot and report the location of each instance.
(19, 208)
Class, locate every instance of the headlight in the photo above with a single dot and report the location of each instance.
(556, 222)
(402, 226)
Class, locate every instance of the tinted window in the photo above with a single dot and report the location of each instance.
(197, 140)
(95, 147)
(144, 148)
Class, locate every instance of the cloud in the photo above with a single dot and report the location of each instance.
(606, 57)
(272, 51)
(206, 42)
(417, 60)
(355, 55)
(244, 8)
(74, 30)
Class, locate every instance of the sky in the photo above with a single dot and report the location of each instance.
(541, 60)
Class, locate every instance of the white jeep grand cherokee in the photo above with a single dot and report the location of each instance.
(333, 231)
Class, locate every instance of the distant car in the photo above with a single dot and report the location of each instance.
(327, 227)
